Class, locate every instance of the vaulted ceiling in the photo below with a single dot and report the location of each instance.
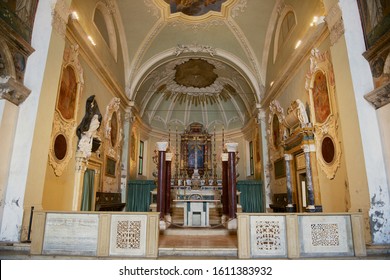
(197, 60)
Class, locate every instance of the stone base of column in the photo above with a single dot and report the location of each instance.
(224, 218)
(310, 209)
(168, 219)
(232, 224)
(163, 225)
(290, 208)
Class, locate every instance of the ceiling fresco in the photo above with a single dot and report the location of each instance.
(195, 7)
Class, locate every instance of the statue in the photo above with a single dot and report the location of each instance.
(87, 129)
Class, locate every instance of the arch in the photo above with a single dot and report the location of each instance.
(286, 23)
(104, 23)
(162, 57)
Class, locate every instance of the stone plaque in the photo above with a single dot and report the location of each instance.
(325, 236)
(268, 236)
(128, 235)
(71, 234)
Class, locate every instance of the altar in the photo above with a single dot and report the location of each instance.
(190, 192)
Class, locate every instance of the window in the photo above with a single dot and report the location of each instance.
(251, 165)
(141, 158)
(285, 25)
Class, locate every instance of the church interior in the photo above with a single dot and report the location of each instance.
(195, 128)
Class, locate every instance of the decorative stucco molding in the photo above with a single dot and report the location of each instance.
(335, 23)
(112, 149)
(194, 48)
(61, 125)
(12, 90)
(60, 18)
(67, 129)
(379, 97)
(325, 131)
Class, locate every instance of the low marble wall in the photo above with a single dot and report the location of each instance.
(299, 235)
(100, 234)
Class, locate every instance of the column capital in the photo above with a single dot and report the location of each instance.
(168, 156)
(288, 157)
(307, 148)
(231, 147)
(225, 156)
(162, 146)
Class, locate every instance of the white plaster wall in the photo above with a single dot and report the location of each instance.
(21, 154)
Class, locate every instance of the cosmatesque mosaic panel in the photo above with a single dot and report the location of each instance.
(325, 236)
(128, 235)
(268, 236)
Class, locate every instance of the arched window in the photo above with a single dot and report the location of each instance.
(286, 23)
(103, 21)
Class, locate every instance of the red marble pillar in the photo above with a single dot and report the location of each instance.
(225, 192)
(232, 186)
(161, 179)
(168, 184)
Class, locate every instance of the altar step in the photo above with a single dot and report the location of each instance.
(212, 242)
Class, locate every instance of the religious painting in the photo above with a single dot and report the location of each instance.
(110, 166)
(195, 7)
(279, 168)
(321, 98)
(374, 15)
(68, 92)
(275, 131)
(195, 155)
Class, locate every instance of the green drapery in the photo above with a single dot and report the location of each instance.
(89, 179)
(251, 197)
(138, 195)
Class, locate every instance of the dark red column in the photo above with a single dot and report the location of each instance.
(232, 186)
(225, 188)
(161, 179)
(168, 184)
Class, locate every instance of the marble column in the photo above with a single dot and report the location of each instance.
(288, 160)
(225, 192)
(232, 186)
(262, 121)
(310, 192)
(127, 126)
(168, 161)
(161, 180)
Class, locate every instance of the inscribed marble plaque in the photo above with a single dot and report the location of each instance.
(268, 236)
(325, 236)
(128, 235)
(71, 234)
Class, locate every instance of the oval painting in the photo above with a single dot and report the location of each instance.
(60, 147)
(328, 149)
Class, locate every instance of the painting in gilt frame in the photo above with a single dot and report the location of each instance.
(110, 167)
(321, 98)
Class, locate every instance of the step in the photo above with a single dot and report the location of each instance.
(198, 252)
(198, 231)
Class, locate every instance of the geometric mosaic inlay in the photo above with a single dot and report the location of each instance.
(128, 235)
(325, 235)
(268, 235)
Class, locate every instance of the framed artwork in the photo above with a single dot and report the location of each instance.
(279, 168)
(110, 167)
(321, 98)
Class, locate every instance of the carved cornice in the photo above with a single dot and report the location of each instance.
(194, 48)
(60, 18)
(379, 97)
(12, 90)
(335, 23)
